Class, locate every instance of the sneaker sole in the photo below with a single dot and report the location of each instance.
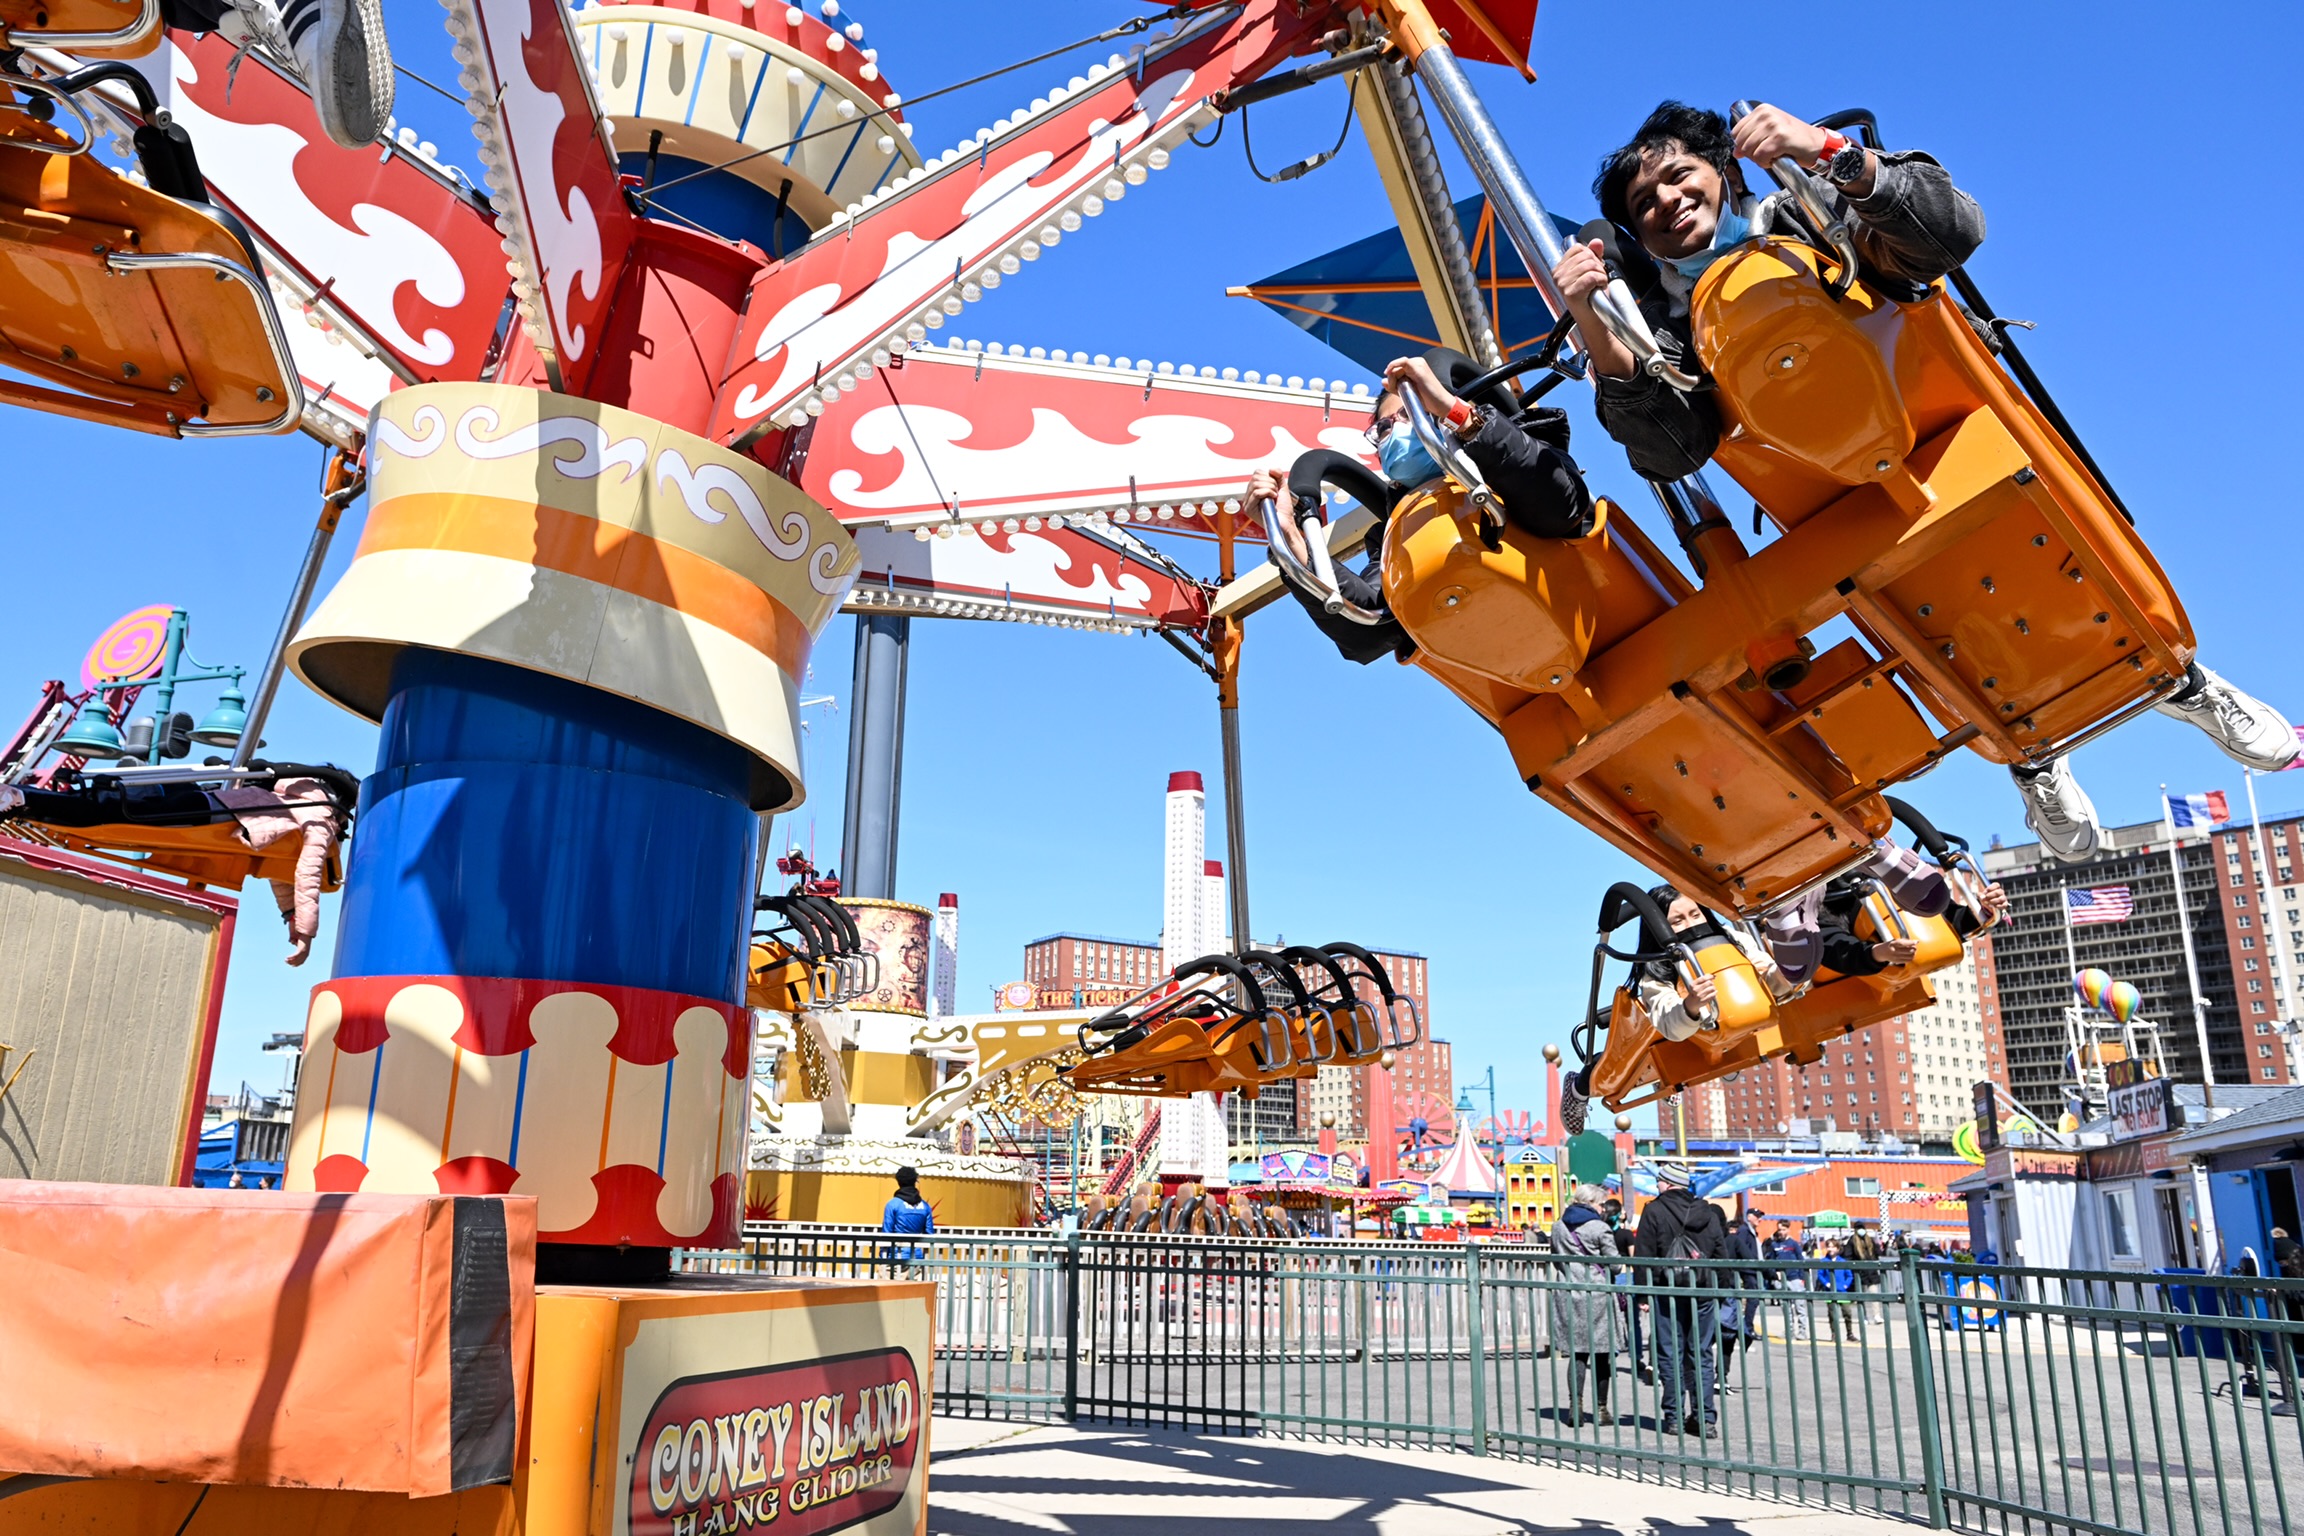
(343, 87)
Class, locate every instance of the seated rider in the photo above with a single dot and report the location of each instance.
(1521, 453)
(1677, 1005)
(1678, 191)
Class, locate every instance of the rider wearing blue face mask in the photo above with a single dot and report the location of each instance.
(1521, 453)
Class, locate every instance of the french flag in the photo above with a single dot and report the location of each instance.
(2201, 811)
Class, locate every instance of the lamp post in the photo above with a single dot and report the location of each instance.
(1464, 1106)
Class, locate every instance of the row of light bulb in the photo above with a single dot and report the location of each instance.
(1101, 517)
(1149, 155)
(1144, 365)
(961, 608)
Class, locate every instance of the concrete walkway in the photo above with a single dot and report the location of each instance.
(997, 1479)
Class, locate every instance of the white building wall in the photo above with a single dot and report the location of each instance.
(1946, 1045)
(947, 979)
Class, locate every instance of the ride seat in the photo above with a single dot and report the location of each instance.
(89, 28)
(213, 854)
(1969, 540)
(150, 309)
(779, 979)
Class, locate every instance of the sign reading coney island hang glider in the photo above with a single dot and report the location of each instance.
(801, 1449)
(966, 436)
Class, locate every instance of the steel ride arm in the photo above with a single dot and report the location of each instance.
(883, 275)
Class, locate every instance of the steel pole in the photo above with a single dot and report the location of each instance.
(875, 756)
(2285, 1005)
(340, 482)
(1511, 195)
(164, 687)
(2191, 961)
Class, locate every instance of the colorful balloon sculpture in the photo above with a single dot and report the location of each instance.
(2122, 1001)
(2092, 985)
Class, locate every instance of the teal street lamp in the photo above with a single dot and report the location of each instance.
(224, 725)
(91, 736)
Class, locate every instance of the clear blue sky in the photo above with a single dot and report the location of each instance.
(2115, 149)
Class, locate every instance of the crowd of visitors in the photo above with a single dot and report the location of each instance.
(1631, 1295)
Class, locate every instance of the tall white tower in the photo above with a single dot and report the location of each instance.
(1193, 1143)
(1215, 921)
(1181, 923)
(947, 979)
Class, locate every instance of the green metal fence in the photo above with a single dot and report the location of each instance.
(1996, 1399)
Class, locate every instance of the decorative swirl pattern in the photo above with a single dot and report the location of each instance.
(785, 538)
(397, 440)
(133, 647)
(596, 452)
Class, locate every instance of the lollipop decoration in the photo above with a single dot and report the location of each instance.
(132, 648)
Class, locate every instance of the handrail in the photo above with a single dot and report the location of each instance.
(1828, 230)
(1321, 583)
(226, 270)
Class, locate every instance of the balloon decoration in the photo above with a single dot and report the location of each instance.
(2123, 1000)
(1964, 1141)
(130, 649)
(2092, 985)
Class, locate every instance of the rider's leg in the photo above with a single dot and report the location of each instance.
(2251, 732)
(2059, 811)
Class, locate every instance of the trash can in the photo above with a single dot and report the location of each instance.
(2195, 1301)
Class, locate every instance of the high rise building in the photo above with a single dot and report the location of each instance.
(1910, 1076)
(2036, 951)
(2264, 935)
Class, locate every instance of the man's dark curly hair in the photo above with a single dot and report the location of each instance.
(1673, 125)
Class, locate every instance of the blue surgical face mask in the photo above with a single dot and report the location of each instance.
(1404, 457)
(1734, 229)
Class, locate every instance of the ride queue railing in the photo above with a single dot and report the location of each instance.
(1979, 1397)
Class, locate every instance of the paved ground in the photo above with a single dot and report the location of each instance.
(995, 1479)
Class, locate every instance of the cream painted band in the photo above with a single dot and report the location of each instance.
(713, 105)
(476, 605)
(630, 473)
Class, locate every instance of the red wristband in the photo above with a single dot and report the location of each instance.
(1460, 415)
(1833, 144)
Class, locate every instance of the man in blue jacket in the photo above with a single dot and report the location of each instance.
(907, 1211)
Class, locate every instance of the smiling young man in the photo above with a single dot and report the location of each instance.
(1678, 191)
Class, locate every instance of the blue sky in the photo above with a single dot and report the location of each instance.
(2116, 150)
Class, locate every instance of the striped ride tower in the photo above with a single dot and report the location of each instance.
(582, 633)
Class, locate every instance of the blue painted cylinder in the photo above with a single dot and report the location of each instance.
(524, 826)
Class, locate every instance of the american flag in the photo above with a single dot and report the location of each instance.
(2104, 904)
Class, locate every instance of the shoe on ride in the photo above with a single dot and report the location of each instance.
(1794, 940)
(1575, 1103)
(2059, 811)
(2251, 732)
(1913, 883)
(337, 48)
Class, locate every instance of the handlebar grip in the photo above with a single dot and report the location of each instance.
(1376, 971)
(1325, 467)
(1281, 969)
(1922, 829)
(1224, 965)
(1305, 954)
(1625, 901)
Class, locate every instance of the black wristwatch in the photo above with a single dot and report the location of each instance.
(1846, 166)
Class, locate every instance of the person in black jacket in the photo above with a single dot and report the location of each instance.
(1679, 192)
(1522, 454)
(1740, 1313)
(1677, 1225)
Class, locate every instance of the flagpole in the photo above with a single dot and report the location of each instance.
(2278, 937)
(2075, 1036)
(2191, 961)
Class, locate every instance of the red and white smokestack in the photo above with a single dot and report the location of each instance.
(1185, 853)
(947, 977)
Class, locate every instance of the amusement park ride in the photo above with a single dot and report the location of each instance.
(631, 422)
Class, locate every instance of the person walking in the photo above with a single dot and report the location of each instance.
(1630, 1302)
(1676, 1227)
(1840, 1280)
(907, 1212)
(1583, 1308)
(1740, 1308)
(1864, 1249)
(1783, 1249)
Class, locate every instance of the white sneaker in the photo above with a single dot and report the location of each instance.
(337, 48)
(2059, 810)
(2251, 732)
